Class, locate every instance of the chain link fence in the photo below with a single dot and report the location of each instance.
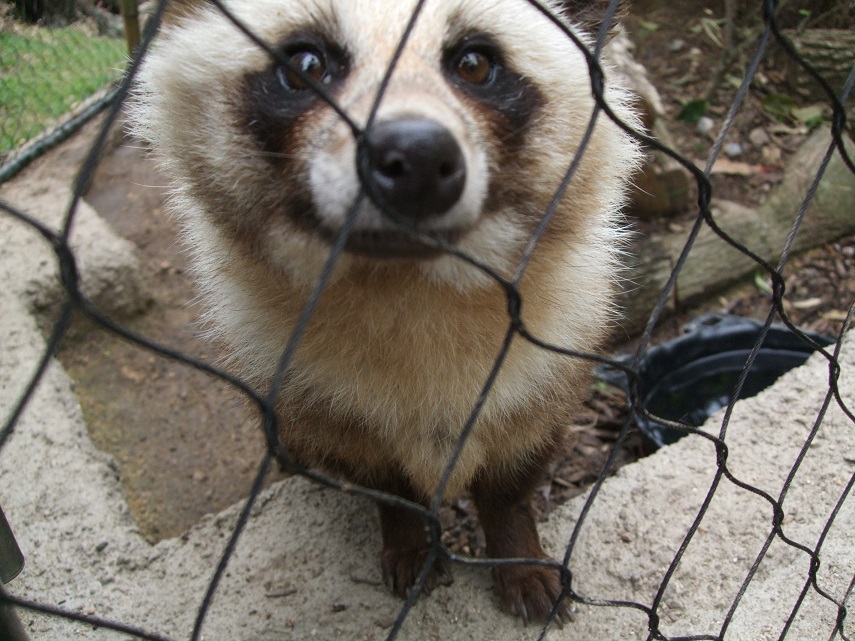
(705, 219)
(59, 64)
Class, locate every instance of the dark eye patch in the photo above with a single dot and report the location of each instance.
(475, 65)
(275, 98)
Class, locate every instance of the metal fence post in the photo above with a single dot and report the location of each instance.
(11, 563)
(11, 628)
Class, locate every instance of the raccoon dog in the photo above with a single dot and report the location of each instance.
(483, 113)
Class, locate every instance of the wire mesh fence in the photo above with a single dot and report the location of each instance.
(265, 399)
(57, 63)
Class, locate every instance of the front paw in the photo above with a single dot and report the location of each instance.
(531, 592)
(401, 569)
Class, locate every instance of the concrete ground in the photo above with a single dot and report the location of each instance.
(306, 566)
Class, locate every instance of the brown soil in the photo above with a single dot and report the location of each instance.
(184, 442)
(186, 445)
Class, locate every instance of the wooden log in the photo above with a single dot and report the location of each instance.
(713, 264)
(831, 52)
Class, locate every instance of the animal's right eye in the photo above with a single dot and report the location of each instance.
(475, 67)
(309, 61)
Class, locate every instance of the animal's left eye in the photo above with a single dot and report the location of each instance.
(475, 67)
(311, 63)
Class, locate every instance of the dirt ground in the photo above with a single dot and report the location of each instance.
(185, 444)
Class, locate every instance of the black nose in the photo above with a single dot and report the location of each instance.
(417, 167)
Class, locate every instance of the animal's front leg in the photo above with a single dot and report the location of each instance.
(529, 591)
(406, 545)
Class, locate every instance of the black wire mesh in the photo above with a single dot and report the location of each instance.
(516, 330)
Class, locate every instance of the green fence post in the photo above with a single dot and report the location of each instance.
(131, 15)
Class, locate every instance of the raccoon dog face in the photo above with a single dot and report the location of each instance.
(461, 147)
(480, 118)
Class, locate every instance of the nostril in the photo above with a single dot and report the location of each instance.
(393, 166)
(448, 169)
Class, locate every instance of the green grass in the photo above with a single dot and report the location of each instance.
(45, 72)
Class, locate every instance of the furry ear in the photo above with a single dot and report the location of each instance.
(588, 14)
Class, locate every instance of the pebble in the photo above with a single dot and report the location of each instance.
(771, 155)
(759, 137)
(677, 44)
(733, 149)
(705, 124)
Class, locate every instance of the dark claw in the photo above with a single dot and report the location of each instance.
(401, 569)
(530, 592)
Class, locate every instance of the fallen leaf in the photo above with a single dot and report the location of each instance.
(808, 303)
(693, 110)
(779, 105)
(838, 315)
(734, 168)
(712, 28)
(810, 116)
(132, 374)
(800, 130)
(762, 284)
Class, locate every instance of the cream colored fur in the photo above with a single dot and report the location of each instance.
(398, 349)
